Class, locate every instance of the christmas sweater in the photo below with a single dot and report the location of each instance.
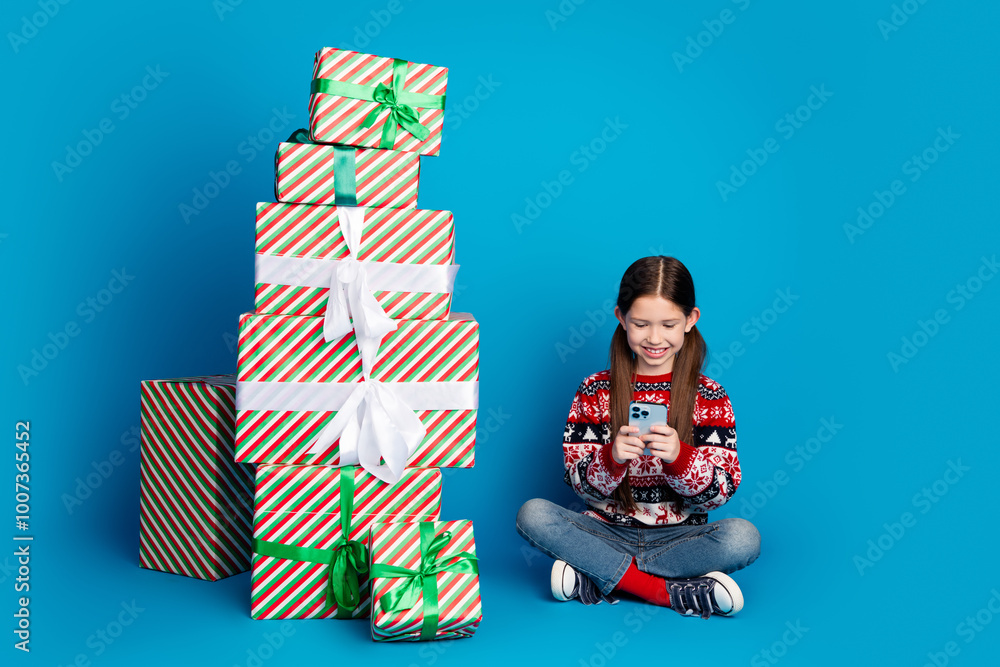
(704, 476)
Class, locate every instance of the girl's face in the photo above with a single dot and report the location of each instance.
(655, 328)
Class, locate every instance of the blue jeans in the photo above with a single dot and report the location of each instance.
(603, 551)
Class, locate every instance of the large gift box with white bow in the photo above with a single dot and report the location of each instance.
(407, 399)
(309, 173)
(379, 264)
(310, 535)
(358, 99)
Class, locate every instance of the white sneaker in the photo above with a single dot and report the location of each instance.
(567, 584)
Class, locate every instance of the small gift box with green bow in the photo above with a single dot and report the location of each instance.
(310, 535)
(308, 173)
(425, 581)
(358, 99)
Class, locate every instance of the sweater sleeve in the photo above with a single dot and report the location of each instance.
(590, 469)
(706, 474)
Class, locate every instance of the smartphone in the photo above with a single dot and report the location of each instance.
(644, 415)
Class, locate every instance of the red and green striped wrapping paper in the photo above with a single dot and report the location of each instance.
(334, 119)
(300, 506)
(304, 174)
(289, 349)
(195, 506)
(459, 606)
(392, 235)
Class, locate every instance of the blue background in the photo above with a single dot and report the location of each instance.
(557, 75)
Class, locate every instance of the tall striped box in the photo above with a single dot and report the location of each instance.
(195, 501)
(307, 173)
(442, 605)
(357, 99)
(303, 507)
(299, 247)
(291, 382)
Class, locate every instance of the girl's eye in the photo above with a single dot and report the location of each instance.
(638, 326)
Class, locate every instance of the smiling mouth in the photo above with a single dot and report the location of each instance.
(655, 352)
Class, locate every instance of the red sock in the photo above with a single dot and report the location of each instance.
(649, 587)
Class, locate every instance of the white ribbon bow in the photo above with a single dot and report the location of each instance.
(379, 419)
(350, 295)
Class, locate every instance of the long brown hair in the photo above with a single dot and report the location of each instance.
(666, 277)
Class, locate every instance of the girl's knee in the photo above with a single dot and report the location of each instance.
(742, 537)
(535, 515)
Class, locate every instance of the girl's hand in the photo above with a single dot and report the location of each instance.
(627, 446)
(663, 442)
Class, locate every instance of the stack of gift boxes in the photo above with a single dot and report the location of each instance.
(355, 383)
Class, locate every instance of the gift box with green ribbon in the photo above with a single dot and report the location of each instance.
(195, 501)
(309, 173)
(310, 535)
(357, 99)
(425, 581)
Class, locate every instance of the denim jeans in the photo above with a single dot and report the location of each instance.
(604, 551)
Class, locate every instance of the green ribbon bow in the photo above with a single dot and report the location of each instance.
(393, 99)
(424, 580)
(346, 558)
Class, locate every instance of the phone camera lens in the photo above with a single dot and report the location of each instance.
(645, 413)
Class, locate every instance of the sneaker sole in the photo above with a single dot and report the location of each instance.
(558, 581)
(734, 591)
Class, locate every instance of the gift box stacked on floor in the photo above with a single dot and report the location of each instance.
(355, 380)
(195, 501)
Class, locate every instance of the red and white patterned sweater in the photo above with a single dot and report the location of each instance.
(704, 476)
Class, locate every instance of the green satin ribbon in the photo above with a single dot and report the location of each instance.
(345, 184)
(393, 99)
(424, 580)
(346, 558)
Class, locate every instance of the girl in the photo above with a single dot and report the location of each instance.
(645, 530)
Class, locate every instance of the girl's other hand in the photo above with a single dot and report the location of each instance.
(627, 446)
(663, 442)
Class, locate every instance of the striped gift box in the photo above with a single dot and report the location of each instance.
(286, 371)
(194, 500)
(307, 173)
(407, 240)
(301, 506)
(459, 608)
(337, 118)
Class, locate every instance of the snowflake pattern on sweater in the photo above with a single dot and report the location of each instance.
(704, 476)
